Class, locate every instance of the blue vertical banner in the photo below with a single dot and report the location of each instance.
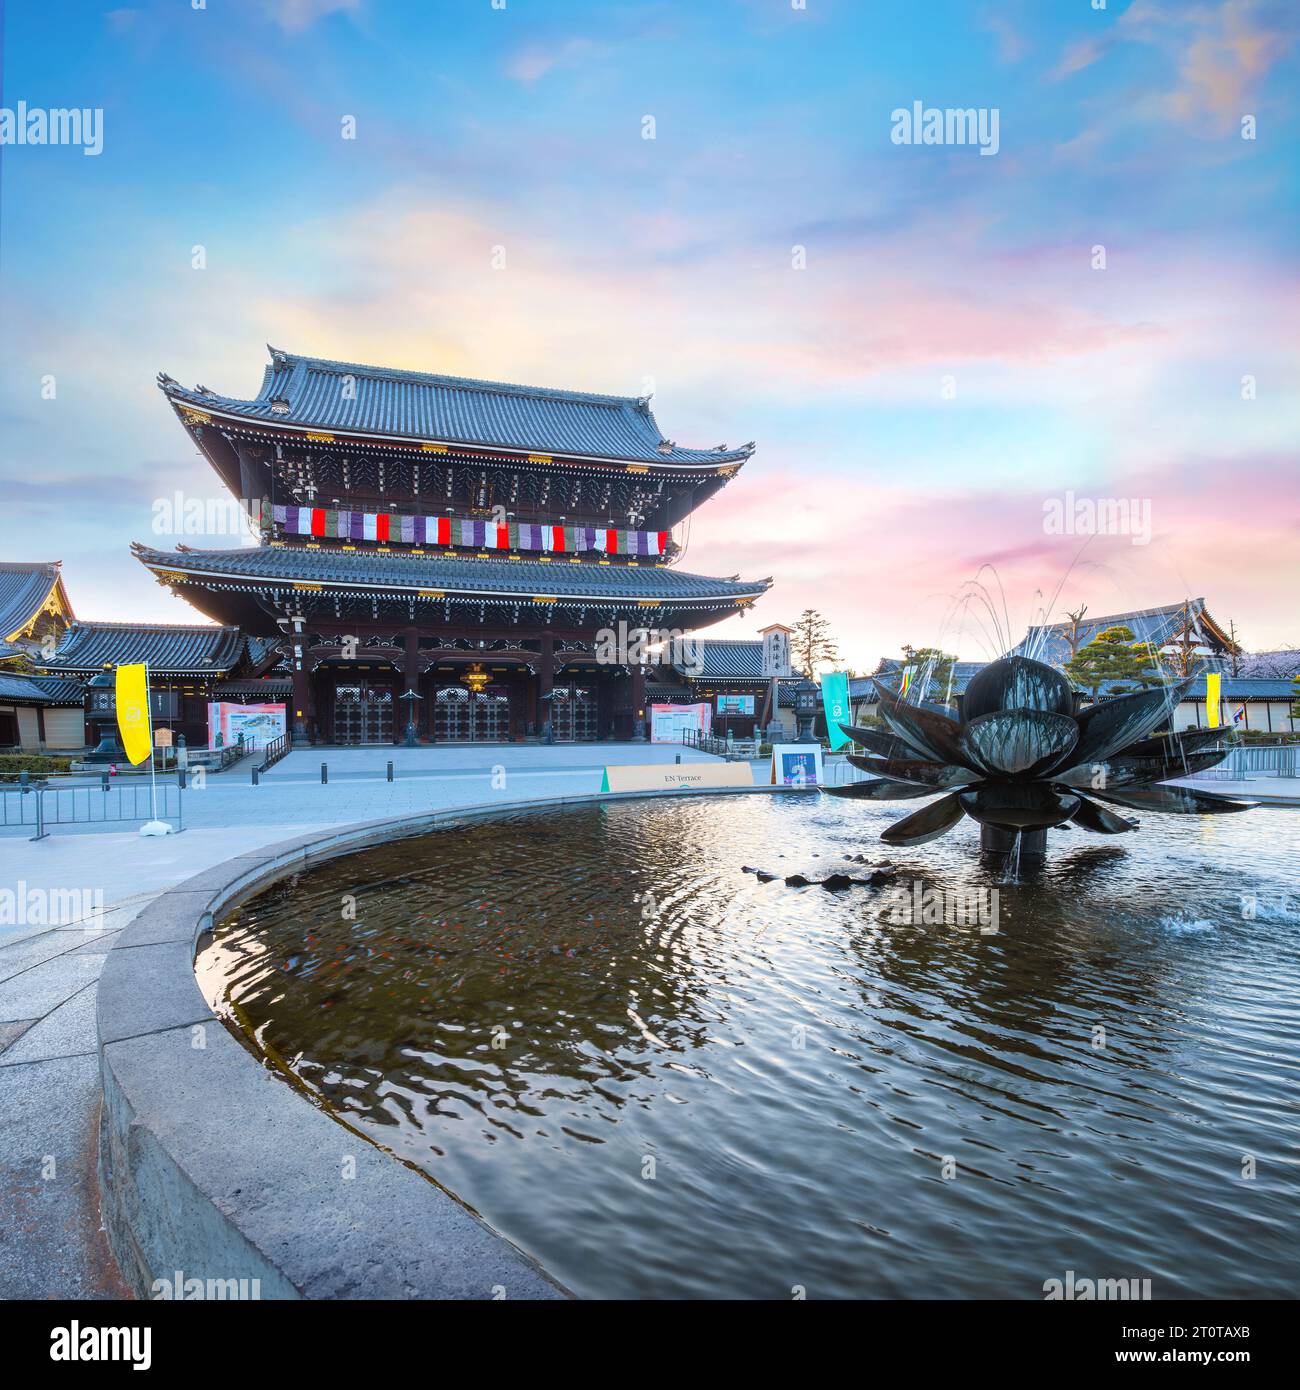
(835, 701)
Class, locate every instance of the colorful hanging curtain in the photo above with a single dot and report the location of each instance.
(385, 527)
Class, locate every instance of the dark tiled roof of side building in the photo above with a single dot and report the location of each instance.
(721, 658)
(347, 396)
(169, 649)
(39, 690)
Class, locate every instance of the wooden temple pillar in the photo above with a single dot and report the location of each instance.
(410, 708)
(302, 703)
(545, 678)
(638, 704)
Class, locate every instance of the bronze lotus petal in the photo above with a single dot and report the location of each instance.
(930, 735)
(1111, 725)
(928, 774)
(881, 789)
(1179, 800)
(931, 821)
(1099, 820)
(1017, 743)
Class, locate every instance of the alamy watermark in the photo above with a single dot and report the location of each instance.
(62, 125)
(649, 646)
(1098, 516)
(915, 905)
(178, 1288)
(1075, 1289)
(919, 124)
(22, 906)
(184, 515)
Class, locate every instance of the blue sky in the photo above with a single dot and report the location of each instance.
(667, 263)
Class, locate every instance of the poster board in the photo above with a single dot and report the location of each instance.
(735, 704)
(260, 722)
(668, 723)
(796, 764)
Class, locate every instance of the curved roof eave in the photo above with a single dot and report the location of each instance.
(392, 401)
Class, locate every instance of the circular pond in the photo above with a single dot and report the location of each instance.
(665, 1076)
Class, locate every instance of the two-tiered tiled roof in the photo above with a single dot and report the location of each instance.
(349, 398)
(24, 590)
(456, 575)
(170, 649)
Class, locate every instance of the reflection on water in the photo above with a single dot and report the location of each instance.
(663, 1077)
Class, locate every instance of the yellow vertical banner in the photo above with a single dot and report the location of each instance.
(1212, 682)
(133, 721)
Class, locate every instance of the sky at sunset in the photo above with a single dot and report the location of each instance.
(947, 360)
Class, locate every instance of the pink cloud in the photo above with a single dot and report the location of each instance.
(1221, 53)
(889, 564)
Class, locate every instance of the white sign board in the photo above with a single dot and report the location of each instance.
(668, 723)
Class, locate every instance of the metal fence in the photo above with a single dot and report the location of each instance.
(721, 747)
(275, 749)
(1255, 760)
(39, 808)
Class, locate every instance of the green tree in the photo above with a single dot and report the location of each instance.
(812, 642)
(939, 665)
(1114, 655)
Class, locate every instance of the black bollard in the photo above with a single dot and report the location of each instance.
(256, 776)
(390, 769)
(324, 772)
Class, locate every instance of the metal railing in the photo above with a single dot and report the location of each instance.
(1255, 760)
(743, 748)
(275, 749)
(836, 772)
(41, 807)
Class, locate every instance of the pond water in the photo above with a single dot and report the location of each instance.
(664, 1077)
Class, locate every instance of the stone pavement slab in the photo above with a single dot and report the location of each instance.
(38, 991)
(53, 1243)
(66, 1031)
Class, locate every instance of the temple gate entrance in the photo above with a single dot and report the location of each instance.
(461, 715)
(363, 713)
(575, 714)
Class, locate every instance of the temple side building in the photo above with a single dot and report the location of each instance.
(34, 606)
(189, 665)
(446, 559)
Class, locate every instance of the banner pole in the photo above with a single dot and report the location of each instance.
(153, 775)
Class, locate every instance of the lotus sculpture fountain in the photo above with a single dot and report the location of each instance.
(1021, 758)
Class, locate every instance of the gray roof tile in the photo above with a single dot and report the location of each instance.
(169, 649)
(309, 391)
(463, 574)
(39, 690)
